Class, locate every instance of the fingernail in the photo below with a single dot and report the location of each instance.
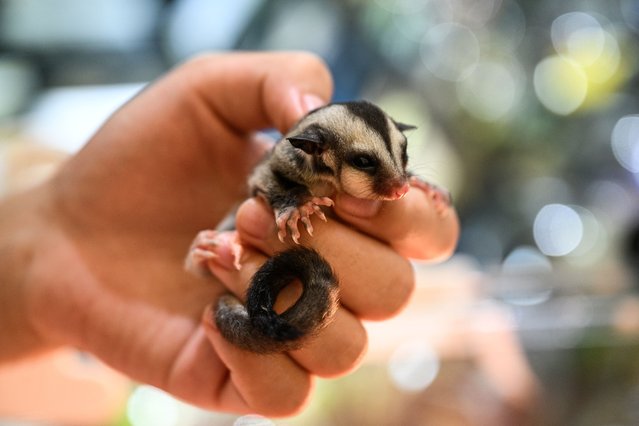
(358, 207)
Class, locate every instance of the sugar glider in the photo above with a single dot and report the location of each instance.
(353, 148)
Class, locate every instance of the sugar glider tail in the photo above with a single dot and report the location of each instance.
(257, 327)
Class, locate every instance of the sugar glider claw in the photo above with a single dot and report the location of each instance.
(287, 218)
(204, 249)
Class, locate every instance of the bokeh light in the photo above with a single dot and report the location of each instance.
(594, 242)
(625, 142)
(599, 66)
(450, 51)
(557, 229)
(413, 366)
(560, 84)
(578, 35)
(612, 202)
(586, 70)
(476, 13)
(525, 260)
(491, 91)
(525, 277)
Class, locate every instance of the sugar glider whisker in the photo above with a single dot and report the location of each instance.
(353, 148)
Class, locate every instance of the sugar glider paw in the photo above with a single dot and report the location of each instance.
(287, 218)
(203, 250)
(441, 198)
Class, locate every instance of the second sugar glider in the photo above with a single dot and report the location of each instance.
(353, 148)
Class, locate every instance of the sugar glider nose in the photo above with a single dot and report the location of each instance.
(400, 191)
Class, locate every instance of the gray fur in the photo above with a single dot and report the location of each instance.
(347, 130)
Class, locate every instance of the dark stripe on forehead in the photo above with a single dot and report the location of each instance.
(374, 118)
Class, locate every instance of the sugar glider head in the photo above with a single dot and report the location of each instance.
(357, 147)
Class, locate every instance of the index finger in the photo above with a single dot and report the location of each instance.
(250, 91)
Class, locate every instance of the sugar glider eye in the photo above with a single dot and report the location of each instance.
(363, 162)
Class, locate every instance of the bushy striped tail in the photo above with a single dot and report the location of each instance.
(257, 327)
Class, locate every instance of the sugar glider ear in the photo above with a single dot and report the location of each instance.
(404, 127)
(310, 141)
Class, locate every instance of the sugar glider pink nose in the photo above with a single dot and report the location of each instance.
(401, 191)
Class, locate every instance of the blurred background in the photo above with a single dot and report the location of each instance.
(527, 110)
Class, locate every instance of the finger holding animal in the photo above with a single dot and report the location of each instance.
(334, 351)
(375, 281)
(352, 150)
(422, 225)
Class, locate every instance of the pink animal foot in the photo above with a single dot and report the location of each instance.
(442, 200)
(203, 249)
(288, 217)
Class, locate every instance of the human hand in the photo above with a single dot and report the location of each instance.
(112, 228)
(375, 281)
